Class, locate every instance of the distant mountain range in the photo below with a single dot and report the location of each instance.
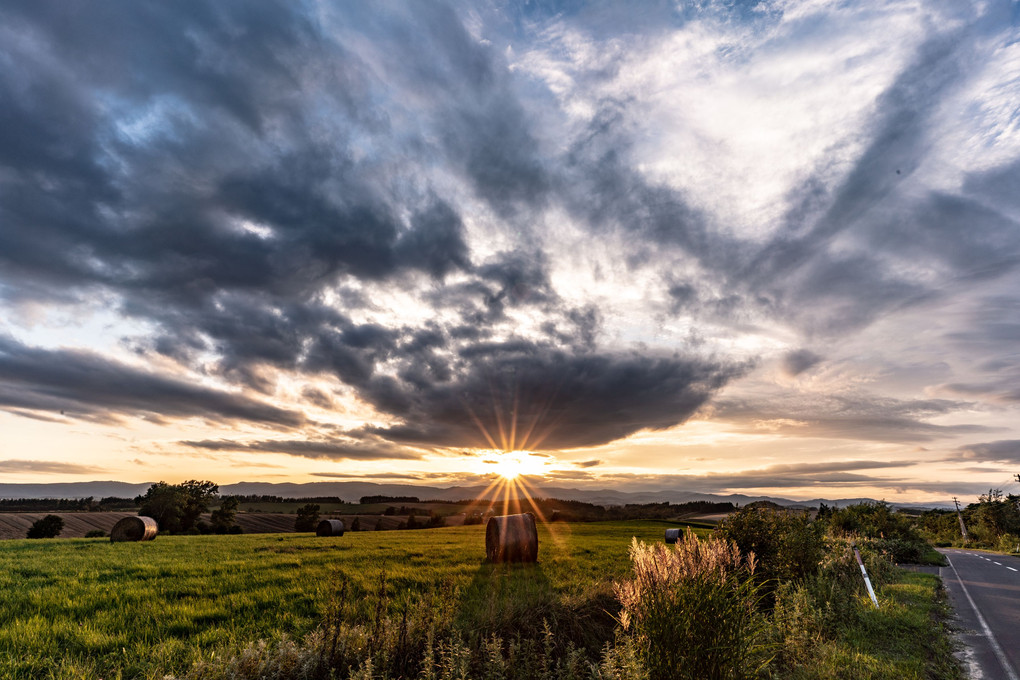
(352, 491)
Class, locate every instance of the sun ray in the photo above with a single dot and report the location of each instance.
(497, 410)
(480, 425)
(513, 421)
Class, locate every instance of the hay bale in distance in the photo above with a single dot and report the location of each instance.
(330, 527)
(673, 535)
(134, 529)
(511, 538)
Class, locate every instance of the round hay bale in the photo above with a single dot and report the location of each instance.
(511, 538)
(134, 529)
(330, 527)
(673, 535)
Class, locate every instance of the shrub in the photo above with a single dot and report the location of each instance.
(95, 533)
(900, 550)
(1008, 543)
(872, 520)
(786, 544)
(49, 526)
(235, 529)
(693, 609)
(827, 605)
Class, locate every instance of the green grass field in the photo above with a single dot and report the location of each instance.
(88, 609)
(91, 609)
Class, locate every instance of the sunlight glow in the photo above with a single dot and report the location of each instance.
(511, 464)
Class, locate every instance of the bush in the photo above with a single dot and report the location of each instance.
(787, 545)
(1008, 543)
(49, 526)
(693, 609)
(827, 605)
(872, 520)
(899, 550)
(235, 529)
(95, 533)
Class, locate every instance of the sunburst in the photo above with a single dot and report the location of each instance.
(512, 462)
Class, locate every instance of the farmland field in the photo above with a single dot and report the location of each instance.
(86, 608)
(77, 524)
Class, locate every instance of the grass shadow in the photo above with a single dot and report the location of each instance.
(518, 601)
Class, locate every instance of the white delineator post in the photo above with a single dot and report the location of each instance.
(867, 581)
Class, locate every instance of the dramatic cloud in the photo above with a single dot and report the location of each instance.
(531, 397)
(390, 232)
(85, 385)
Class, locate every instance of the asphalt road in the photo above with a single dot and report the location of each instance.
(985, 591)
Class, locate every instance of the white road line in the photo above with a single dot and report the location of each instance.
(1003, 661)
(998, 563)
(1011, 568)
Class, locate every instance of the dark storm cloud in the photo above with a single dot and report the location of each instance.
(532, 396)
(45, 466)
(85, 385)
(307, 448)
(483, 130)
(189, 170)
(1001, 451)
(212, 127)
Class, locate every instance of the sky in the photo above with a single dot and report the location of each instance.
(718, 246)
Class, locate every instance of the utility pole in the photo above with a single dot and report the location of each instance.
(959, 516)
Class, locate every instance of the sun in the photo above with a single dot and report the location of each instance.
(513, 464)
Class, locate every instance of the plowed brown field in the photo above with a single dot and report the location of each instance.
(77, 524)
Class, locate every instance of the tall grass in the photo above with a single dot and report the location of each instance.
(403, 605)
(693, 608)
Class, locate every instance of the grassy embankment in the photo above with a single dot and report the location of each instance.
(90, 609)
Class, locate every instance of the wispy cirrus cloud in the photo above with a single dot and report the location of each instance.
(46, 467)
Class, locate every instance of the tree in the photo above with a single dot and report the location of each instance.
(356, 524)
(993, 516)
(49, 526)
(177, 507)
(223, 517)
(196, 498)
(307, 518)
